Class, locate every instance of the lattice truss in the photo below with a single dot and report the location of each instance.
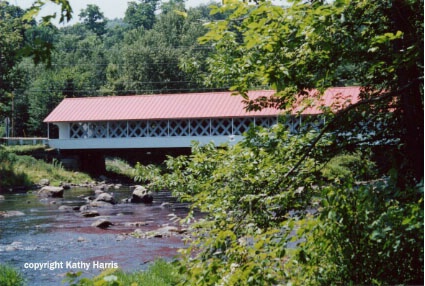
(89, 130)
(184, 127)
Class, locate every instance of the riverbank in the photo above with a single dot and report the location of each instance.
(24, 167)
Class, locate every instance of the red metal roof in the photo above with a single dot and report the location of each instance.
(174, 106)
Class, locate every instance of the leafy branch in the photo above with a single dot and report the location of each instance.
(340, 114)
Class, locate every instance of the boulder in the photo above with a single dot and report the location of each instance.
(52, 192)
(100, 204)
(66, 208)
(16, 245)
(84, 208)
(2, 198)
(136, 224)
(164, 231)
(103, 178)
(97, 192)
(141, 195)
(105, 197)
(44, 182)
(89, 199)
(90, 213)
(10, 213)
(65, 186)
(102, 223)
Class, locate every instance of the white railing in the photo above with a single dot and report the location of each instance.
(167, 128)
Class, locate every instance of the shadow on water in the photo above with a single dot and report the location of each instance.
(65, 240)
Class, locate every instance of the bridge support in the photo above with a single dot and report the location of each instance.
(92, 163)
(88, 161)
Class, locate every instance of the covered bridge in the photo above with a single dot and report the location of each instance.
(168, 121)
(146, 127)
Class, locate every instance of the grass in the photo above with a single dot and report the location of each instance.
(160, 273)
(55, 172)
(25, 149)
(120, 167)
(17, 169)
(9, 276)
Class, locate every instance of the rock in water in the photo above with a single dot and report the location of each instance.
(52, 192)
(90, 213)
(10, 213)
(141, 195)
(102, 223)
(105, 197)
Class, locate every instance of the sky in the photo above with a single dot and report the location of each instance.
(111, 8)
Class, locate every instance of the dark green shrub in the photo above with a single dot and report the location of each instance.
(10, 276)
(349, 165)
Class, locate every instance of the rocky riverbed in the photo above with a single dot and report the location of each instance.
(95, 224)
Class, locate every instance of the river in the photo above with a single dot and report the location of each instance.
(64, 241)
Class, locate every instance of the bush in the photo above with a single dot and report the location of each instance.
(269, 218)
(250, 204)
(160, 273)
(343, 166)
(10, 276)
(9, 176)
(365, 234)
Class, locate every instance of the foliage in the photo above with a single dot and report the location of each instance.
(41, 49)
(141, 14)
(44, 64)
(9, 176)
(24, 149)
(159, 273)
(65, 15)
(341, 166)
(318, 44)
(149, 174)
(12, 29)
(348, 232)
(261, 225)
(119, 166)
(94, 19)
(25, 170)
(149, 61)
(249, 207)
(366, 233)
(10, 276)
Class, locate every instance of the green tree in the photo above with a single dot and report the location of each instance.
(94, 19)
(141, 15)
(12, 30)
(49, 89)
(269, 217)
(20, 37)
(309, 45)
(172, 5)
(163, 59)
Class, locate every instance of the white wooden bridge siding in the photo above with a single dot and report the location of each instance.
(170, 133)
